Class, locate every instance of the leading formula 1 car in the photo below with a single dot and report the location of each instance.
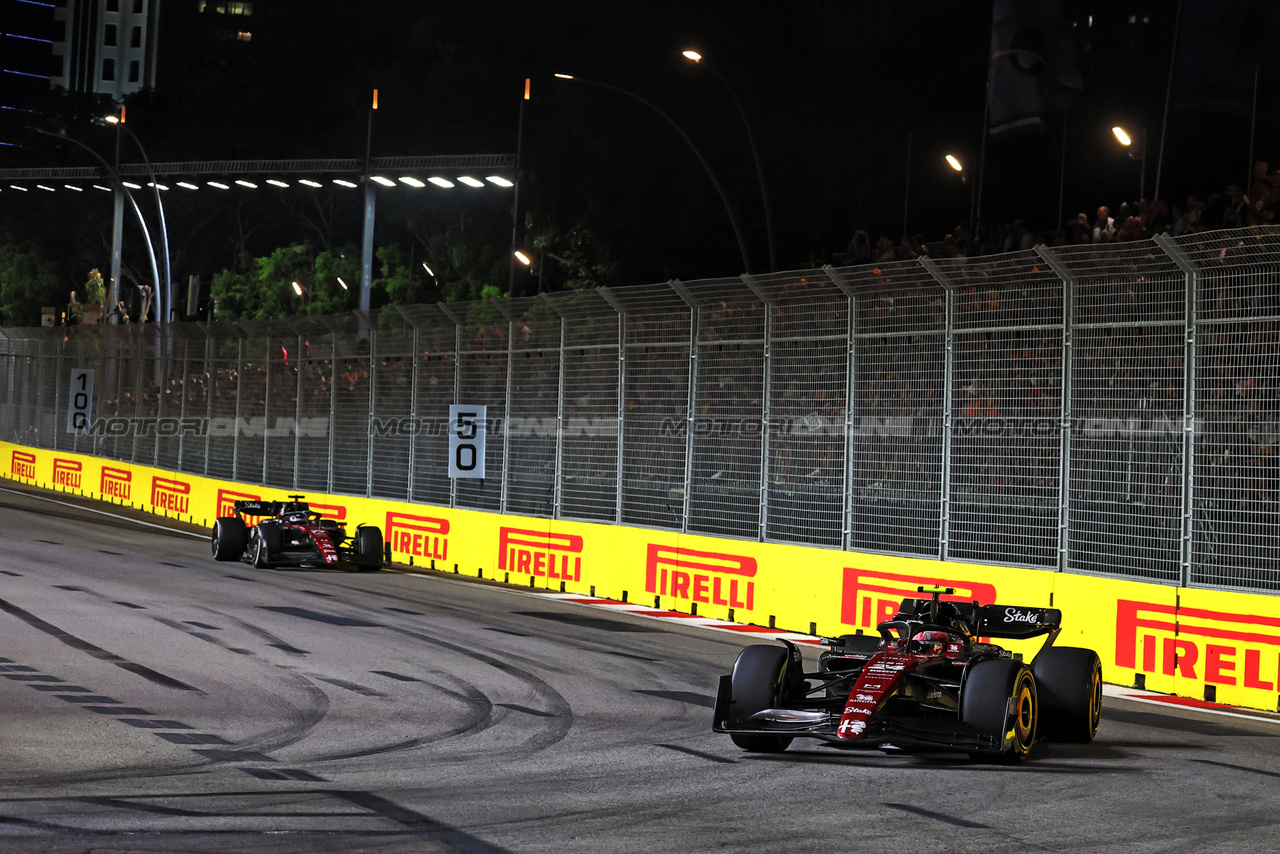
(290, 533)
(927, 682)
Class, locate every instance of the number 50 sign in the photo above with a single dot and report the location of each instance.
(466, 441)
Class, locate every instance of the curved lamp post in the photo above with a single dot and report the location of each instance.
(697, 59)
(1138, 153)
(733, 217)
(164, 231)
(137, 211)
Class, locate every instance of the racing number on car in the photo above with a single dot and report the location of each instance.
(466, 440)
(81, 402)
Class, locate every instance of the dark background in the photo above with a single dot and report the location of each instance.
(833, 91)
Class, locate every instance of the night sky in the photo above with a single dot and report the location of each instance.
(834, 90)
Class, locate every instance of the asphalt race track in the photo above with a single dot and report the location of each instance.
(156, 701)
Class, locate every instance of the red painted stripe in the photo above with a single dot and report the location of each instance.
(1182, 701)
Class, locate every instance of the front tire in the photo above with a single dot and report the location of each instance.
(1069, 680)
(229, 537)
(757, 681)
(265, 545)
(999, 701)
(368, 548)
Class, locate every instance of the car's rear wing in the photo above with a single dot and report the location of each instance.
(990, 621)
(1012, 621)
(258, 508)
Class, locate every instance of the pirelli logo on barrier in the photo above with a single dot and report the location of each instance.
(227, 501)
(67, 473)
(170, 495)
(23, 465)
(116, 483)
(870, 597)
(540, 553)
(420, 536)
(1217, 647)
(336, 512)
(714, 578)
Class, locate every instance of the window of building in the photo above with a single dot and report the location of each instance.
(201, 5)
(135, 37)
(244, 37)
(137, 7)
(108, 69)
(113, 6)
(109, 35)
(133, 71)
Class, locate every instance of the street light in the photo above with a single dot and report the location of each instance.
(1138, 153)
(137, 211)
(162, 300)
(697, 58)
(733, 217)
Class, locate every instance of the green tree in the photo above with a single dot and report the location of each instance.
(28, 281)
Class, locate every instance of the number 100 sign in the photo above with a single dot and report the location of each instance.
(80, 405)
(466, 441)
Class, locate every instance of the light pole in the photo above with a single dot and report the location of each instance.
(697, 59)
(733, 217)
(137, 211)
(162, 293)
(527, 260)
(957, 166)
(1122, 136)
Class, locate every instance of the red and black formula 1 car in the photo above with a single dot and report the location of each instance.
(927, 683)
(290, 533)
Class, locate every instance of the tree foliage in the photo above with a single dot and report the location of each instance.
(28, 281)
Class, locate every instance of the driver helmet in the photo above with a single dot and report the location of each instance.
(929, 643)
(297, 513)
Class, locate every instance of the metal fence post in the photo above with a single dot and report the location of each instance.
(266, 412)
(1065, 405)
(948, 402)
(557, 489)
(1192, 274)
(300, 362)
(373, 399)
(691, 410)
(616, 305)
(333, 411)
(766, 383)
(209, 374)
(850, 404)
(457, 381)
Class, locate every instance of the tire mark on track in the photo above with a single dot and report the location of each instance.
(96, 651)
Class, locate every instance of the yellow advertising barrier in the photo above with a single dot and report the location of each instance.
(1208, 644)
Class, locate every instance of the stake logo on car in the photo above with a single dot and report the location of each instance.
(168, 494)
(540, 553)
(711, 577)
(1218, 647)
(115, 483)
(421, 536)
(870, 597)
(23, 465)
(67, 473)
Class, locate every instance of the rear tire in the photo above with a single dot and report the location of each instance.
(368, 548)
(757, 685)
(229, 537)
(999, 700)
(1069, 680)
